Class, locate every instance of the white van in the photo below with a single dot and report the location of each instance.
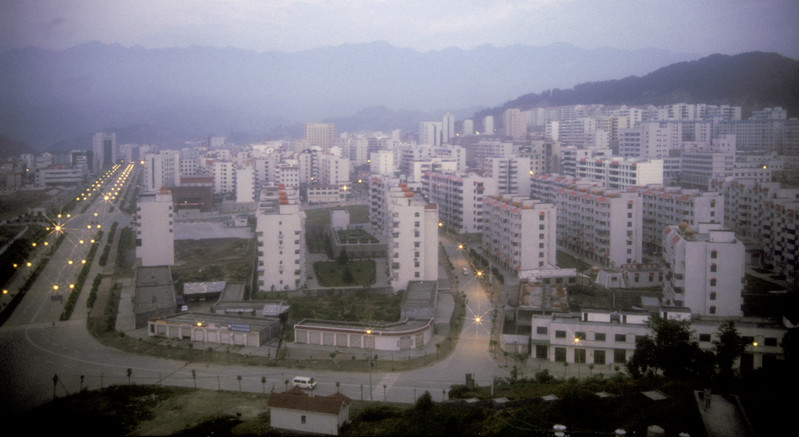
(465, 271)
(304, 382)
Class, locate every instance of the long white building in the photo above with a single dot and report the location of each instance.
(664, 206)
(617, 172)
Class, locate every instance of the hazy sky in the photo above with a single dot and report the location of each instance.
(689, 26)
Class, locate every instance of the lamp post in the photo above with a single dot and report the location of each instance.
(371, 357)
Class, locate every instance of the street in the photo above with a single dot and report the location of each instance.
(35, 346)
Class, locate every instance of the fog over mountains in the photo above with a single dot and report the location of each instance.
(60, 98)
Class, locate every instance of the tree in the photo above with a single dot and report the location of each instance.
(790, 347)
(347, 276)
(343, 257)
(728, 347)
(670, 350)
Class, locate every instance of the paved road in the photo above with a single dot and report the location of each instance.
(34, 347)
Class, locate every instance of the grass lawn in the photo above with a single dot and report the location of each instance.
(321, 216)
(360, 307)
(218, 259)
(333, 274)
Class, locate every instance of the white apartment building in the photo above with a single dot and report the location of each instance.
(601, 226)
(333, 170)
(581, 132)
(514, 121)
(280, 234)
(699, 168)
(651, 139)
(618, 172)
(288, 173)
(155, 238)
(161, 169)
(382, 162)
(704, 270)
(224, 177)
(412, 237)
(447, 127)
(781, 236)
(664, 206)
(519, 233)
(468, 127)
(571, 155)
(765, 213)
(322, 135)
(245, 184)
(488, 125)
(459, 199)
(511, 174)
(430, 133)
(59, 175)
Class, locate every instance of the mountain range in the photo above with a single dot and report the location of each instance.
(56, 100)
(60, 98)
(750, 80)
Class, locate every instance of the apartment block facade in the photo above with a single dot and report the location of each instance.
(280, 234)
(155, 237)
(520, 233)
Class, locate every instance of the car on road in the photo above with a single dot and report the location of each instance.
(306, 382)
(465, 271)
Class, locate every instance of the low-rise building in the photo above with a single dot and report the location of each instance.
(297, 411)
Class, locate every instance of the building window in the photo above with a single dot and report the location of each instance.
(712, 295)
(619, 356)
(302, 419)
(541, 330)
(560, 354)
(579, 355)
(599, 357)
(579, 335)
(712, 282)
(713, 268)
(770, 341)
(560, 334)
(712, 309)
(714, 254)
(621, 338)
(599, 336)
(704, 337)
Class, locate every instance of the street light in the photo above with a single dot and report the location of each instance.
(371, 357)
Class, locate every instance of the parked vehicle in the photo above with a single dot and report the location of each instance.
(305, 382)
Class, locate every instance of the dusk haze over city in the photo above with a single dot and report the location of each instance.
(381, 217)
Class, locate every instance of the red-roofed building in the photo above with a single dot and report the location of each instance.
(296, 410)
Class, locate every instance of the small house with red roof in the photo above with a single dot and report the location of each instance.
(296, 410)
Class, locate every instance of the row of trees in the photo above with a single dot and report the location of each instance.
(671, 351)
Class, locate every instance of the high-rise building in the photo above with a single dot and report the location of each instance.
(280, 231)
(104, 147)
(430, 133)
(161, 169)
(447, 128)
(155, 238)
(412, 237)
(321, 135)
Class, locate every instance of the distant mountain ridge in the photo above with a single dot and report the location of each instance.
(173, 94)
(751, 80)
